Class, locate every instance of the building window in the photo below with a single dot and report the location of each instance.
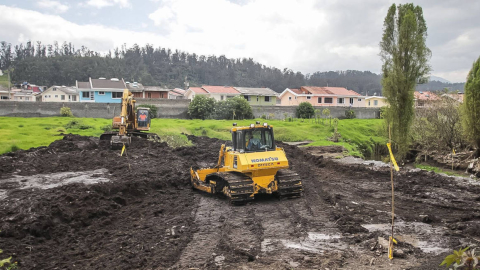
(369, 103)
(56, 96)
(221, 97)
(54, 89)
(117, 94)
(62, 97)
(257, 98)
(74, 98)
(319, 100)
(289, 98)
(85, 94)
(309, 97)
(359, 99)
(351, 100)
(375, 102)
(295, 97)
(339, 101)
(101, 93)
(3, 97)
(328, 100)
(21, 98)
(149, 95)
(27, 98)
(247, 98)
(267, 99)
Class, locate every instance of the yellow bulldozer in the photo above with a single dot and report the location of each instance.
(129, 123)
(253, 165)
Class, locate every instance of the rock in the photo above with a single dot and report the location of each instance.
(425, 218)
(307, 259)
(399, 253)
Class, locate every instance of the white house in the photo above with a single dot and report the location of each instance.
(60, 94)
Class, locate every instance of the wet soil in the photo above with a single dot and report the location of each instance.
(79, 205)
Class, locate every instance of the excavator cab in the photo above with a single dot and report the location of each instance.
(143, 119)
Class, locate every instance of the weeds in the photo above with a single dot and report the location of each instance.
(77, 124)
(463, 259)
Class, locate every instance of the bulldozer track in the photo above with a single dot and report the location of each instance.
(289, 184)
(239, 187)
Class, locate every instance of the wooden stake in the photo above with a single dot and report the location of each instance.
(391, 179)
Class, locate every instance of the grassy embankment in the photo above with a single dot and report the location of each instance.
(357, 135)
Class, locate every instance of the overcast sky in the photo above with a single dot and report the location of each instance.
(304, 36)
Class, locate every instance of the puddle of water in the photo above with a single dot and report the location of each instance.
(314, 242)
(423, 236)
(48, 181)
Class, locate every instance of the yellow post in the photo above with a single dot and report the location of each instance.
(392, 162)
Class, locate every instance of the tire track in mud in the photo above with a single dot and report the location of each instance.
(209, 219)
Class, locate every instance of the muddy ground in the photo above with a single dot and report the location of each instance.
(78, 205)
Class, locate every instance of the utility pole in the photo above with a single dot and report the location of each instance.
(9, 95)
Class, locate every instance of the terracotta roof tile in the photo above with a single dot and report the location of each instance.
(198, 90)
(220, 89)
(339, 91)
(425, 95)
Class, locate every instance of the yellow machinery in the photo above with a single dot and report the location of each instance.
(253, 165)
(129, 123)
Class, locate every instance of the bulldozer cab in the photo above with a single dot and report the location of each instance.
(254, 139)
(143, 117)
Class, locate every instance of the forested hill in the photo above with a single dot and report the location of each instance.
(62, 64)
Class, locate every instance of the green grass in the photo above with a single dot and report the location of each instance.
(437, 170)
(358, 135)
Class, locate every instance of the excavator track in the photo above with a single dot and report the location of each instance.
(239, 187)
(289, 184)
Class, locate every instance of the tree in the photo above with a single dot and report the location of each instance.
(233, 108)
(471, 106)
(201, 107)
(405, 63)
(305, 110)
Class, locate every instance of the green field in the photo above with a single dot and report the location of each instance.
(358, 136)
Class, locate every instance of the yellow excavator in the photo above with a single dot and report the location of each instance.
(129, 123)
(253, 165)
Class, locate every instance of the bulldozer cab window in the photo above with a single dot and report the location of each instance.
(257, 140)
(143, 118)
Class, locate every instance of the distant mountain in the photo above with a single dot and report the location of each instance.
(438, 86)
(439, 79)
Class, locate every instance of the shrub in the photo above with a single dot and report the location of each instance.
(14, 148)
(201, 107)
(20, 125)
(66, 112)
(107, 128)
(77, 124)
(153, 110)
(263, 116)
(305, 110)
(350, 114)
(233, 108)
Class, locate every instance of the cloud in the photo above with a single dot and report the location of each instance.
(106, 3)
(303, 35)
(56, 6)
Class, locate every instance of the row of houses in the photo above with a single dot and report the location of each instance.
(104, 90)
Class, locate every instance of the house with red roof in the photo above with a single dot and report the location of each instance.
(425, 98)
(216, 92)
(322, 96)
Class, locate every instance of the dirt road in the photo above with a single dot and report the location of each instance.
(78, 205)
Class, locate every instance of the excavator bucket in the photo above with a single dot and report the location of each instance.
(118, 142)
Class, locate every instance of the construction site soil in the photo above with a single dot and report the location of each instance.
(77, 204)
